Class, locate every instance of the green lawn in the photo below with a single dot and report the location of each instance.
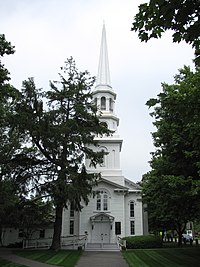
(167, 257)
(66, 258)
(6, 263)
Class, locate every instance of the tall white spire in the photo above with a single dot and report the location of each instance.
(103, 75)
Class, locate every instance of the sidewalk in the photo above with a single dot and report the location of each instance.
(7, 254)
(101, 259)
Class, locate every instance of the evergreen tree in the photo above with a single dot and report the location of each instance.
(60, 124)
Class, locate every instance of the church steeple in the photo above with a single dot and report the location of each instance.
(104, 97)
(103, 75)
(103, 94)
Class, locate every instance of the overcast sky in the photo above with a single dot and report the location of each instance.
(46, 32)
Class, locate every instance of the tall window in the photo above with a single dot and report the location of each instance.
(95, 101)
(111, 104)
(20, 232)
(103, 103)
(132, 212)
(105, 202)
(98, 201)
(132, 227)
(102, 200)
(72, 210)
(118, 228)
(71, 227)
(42, 233)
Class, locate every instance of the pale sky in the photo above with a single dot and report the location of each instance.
(47, 32)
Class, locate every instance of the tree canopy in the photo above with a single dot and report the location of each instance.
(180, 16)
(172, 187)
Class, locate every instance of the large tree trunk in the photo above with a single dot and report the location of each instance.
(56, 242)
(180, 230)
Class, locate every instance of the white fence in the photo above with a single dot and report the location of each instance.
(67, 242)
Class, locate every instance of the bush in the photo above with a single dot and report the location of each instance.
(139, 242)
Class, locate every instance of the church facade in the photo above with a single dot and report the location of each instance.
(116, 209)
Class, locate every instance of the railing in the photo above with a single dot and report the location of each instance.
(121, 243)
(67, 242)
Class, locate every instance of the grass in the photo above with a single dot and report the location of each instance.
(66, 258)
(167, 257)
(6, 263)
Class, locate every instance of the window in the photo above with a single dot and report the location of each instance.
(72, 210)
(111, 104)
(118, 228)
(98, 201)
(42, 233)
(95, 101)
(132, 227)
(102, 200)
(105, 202)
(71, 227)
(20, 233)
(103, 103)
(132, 204)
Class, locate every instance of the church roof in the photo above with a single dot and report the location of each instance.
(117, 186)
(103, 75)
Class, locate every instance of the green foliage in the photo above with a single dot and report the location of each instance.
(31, 215)
(180, 16)
(172, 187)
(142, 242)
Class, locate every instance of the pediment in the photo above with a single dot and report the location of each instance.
(115, 185)
(102, 217)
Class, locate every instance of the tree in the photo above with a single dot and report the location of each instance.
(32, 215)
(10, 139)
(172, 187)
(180, 16)
(17, 160)
(60, 124)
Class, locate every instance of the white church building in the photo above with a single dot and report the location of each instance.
(116, 209)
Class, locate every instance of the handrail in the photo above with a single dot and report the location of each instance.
(121, 243)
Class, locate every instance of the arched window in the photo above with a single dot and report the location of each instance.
(95, 101)
(103, 103)
(105, 202)
(98, 201)
(132, 209)
(102, 200)
(111, 104)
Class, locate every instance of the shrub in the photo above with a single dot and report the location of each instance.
(139, 242)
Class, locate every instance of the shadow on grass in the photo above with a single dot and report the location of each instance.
(66, 258)
(6, 263)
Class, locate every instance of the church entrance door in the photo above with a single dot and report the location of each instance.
(101, 232)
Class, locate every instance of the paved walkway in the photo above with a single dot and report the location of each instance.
(88, 259)
(101, 259)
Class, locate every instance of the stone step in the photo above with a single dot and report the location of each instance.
(102, 247)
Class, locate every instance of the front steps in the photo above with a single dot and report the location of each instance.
(102, 247)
